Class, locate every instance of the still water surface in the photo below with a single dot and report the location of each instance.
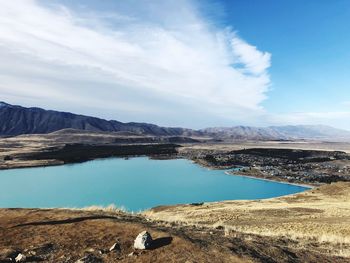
(135, 184)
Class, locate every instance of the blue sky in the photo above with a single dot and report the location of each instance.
(309, 41)
(180, 63)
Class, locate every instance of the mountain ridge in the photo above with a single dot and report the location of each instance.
(16, 120)
(287, 132)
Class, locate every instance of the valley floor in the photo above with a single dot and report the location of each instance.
(327, 162)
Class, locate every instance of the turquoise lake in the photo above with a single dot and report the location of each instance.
(135, 184)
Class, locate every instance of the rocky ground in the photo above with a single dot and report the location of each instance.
(70, 236)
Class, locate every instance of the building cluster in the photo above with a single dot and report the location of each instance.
(313, 169)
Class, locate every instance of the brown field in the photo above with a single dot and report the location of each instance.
(302, 145)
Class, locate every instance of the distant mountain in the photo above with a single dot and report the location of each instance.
(16, 120)
(244, 133)
(290, 132)
(312, 132)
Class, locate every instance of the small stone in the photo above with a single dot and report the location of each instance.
(115, 247)
(143, 240)
(20, 258)
(131, 254)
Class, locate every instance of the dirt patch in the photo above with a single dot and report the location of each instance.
(66, 236)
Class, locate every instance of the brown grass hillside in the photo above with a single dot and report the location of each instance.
(318, 219)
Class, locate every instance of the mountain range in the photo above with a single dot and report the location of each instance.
(288, 132)
(17, 120)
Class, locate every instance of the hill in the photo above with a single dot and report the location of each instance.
(16, 120)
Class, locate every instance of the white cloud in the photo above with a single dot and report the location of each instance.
(253, 60)
(157, 58)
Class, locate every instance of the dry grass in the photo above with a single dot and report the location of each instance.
(110, 208)
(302, 145)
(324, 238)
(318, 217)
(345, 253)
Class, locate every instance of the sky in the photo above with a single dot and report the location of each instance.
(187, 63)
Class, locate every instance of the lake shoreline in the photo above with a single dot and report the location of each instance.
(55, 162)
(135, 173)
(309, 186)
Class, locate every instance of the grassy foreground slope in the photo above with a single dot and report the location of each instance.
(316, 220)
(313, 226)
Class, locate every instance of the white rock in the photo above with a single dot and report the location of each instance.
(20, 258)
(143, 240)
(116, 246)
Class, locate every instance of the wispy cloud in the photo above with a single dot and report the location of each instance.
(253, 60)
(335, 118)
(158, 58)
